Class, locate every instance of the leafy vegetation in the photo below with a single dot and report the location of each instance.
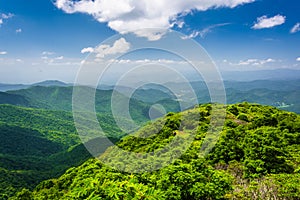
(256, 157)
(13, 99)
(38, 144)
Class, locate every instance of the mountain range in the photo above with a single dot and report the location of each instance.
(42, 156)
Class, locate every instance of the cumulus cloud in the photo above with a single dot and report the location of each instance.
(119, 46)
(126, 16)
(265, 22)
(298, 59)
(19, 30)
(296, 28)
(3, 52)
(87, 50)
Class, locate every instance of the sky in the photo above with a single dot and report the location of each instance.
(43, 39)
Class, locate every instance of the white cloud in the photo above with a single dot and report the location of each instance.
(3, 52)
(265, 22)
(48, 57)
(119, 46)
(126, 16)
(204, 31)
(87, 50)
(298, 59)
(19, 30)
(4, 16)
(296, 28)
(59, 58)
(256, 62)
(47, 53)
(148, 61)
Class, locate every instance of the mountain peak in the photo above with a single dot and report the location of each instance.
(50, 83)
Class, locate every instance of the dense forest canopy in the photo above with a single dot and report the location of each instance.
(256, 157)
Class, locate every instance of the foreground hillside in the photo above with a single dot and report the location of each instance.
(256, 157)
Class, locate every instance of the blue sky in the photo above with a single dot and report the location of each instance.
(41, 39)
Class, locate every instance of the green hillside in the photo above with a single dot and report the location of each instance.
(14, 99)
(256, 157)
(57, 126)
(60, 98)
(38, 144)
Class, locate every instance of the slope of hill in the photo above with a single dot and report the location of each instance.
(60, 98)
(57, 126)
(256, 157)
(14, 99)
(38, 144)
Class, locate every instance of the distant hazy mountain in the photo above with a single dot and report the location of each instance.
(278, 74)
(284, 94)
(280, 85)
(51, 83)
(7, 87)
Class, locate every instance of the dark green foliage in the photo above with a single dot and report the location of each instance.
(26, 142)
(259, 137)
(38, 144)
(243, 117)
(14, 99)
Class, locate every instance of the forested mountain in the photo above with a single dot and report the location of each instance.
(38, 144)
(14, 99)
(256, 157)
(60, 98)
(56, 95)
(48, 83)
